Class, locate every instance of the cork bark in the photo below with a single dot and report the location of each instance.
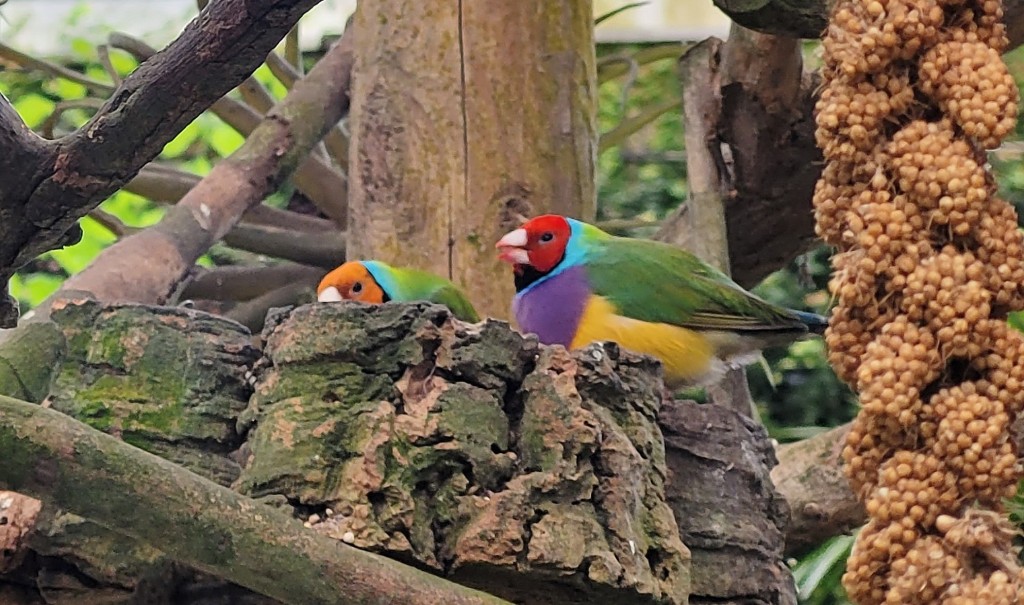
(467, 451)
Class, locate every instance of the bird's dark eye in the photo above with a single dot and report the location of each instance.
(547, 237)
(357, 287)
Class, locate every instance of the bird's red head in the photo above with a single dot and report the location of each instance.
(540, 243)
(351, 281)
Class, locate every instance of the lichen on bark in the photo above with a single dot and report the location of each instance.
(468, 449)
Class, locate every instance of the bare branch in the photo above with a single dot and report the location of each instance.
(213, 207)
(65, 463)
(244, 283)
(28, 62)
(216, 51)
(60, 108)
(111, 223)
(253, 313)
(283, 70)
(104, 54)
(325, 250)
(335, 140)
(292, 52)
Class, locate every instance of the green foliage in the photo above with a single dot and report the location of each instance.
(1015, 511)
(644, 176)
(818, 574)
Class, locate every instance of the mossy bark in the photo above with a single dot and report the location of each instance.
(466, 450)
(532, 474)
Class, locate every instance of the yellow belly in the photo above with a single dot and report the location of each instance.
(686, 355)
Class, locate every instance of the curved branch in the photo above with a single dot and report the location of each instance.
(65, 463)
(253, 313)
(216, 51)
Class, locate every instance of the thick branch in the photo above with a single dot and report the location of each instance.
(811, 479)
(65, 463)
(217, 50)
(808, 18)
(236, 184)
(764, 111)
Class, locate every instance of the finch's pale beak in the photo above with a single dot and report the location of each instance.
(329, 294)
(512, 247)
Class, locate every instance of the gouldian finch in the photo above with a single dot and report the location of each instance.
(374, 282)
(576, 284)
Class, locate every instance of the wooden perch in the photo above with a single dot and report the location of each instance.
(62, 462)
(214, 206)
(70, 176)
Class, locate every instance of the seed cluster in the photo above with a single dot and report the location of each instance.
(929, 261)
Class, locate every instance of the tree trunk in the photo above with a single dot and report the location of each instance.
(465, 117)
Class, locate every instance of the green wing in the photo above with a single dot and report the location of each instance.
(453, 298)
(413, 284)
(656, 282)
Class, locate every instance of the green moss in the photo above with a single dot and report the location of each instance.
(96, 414)
(163, 419)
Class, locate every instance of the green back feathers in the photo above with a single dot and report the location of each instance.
(406, 285)
(656, 282)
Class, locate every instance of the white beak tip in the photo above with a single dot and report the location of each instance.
(514, 239)
(329, 294)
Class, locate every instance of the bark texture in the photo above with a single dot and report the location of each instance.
(753, 101)
(730, 515)
(466, 450)
(534, 480)
(446, 156)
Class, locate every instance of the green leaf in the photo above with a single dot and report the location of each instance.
(811, 573)
(33, 108)
(616, 11)
(34, 288)
(631, 125)
(95, 238)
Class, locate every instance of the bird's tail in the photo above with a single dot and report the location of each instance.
(815, 323)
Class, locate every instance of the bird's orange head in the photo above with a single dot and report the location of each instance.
(351, 281)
